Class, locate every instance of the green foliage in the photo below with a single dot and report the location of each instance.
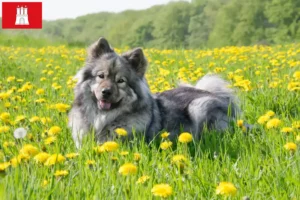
(196, 24)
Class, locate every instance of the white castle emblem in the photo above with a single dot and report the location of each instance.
(22, 16)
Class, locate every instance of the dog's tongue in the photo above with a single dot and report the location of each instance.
(105, 105)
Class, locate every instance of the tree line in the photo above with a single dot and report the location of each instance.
(195, 24)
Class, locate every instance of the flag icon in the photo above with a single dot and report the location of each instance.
(21, 15)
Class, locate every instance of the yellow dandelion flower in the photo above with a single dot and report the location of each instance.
(4, 166)
(287, 130)
(45, 183)
(29, 149)
(72, 155)
(41, 157)
(185, 137)
(124, 153)
(4, 129)
(40, 100)
(179, 158)
(240, 123)
(7, 104)
(45, 120)
(165, 145)
(10, 78)
(110, 146)
(128, 169)
(40, 91)
(121, 132)
(270, 113)
(273, 123)
(137, 156)
(54, 130)
(142, 179)
(226, 189)
(263, 119)
(298, 138)
(165, 134)
(20, 118)
(90, 162)
(162, 190)
(290, 146)
(15, 161)
(34, 119)
(62, 107)
(5, 116)
(60, 173)
(50, 140)
(99, 149)
(55, 158)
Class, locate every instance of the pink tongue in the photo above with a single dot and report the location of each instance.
(105, 105)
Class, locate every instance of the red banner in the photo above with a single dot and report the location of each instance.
(22, 15)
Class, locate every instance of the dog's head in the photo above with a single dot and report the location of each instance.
(113, 78)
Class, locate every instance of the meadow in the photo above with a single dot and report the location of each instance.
(40, 161)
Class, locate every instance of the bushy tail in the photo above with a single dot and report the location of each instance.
(220, 88)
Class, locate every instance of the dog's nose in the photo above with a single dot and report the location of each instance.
(106, 91)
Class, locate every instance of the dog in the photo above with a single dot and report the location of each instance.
(112, 92)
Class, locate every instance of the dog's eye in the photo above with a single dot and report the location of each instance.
(101, 75)
(121, 81)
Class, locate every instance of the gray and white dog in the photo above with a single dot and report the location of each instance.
(112, 92)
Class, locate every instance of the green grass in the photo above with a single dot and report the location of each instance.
(256, 162)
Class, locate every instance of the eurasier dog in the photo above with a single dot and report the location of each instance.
(112, 92)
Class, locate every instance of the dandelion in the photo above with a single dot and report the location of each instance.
(62, 107)
(4, 129)
(240, 123)
(226, 189)
(290, 146)
(121, 132)
(185, 137)
(5, 116)
(179, 158)
(298, 138)
(45, 120)
(29, 149)
(110, 146)
(142, 179)
(54, 130)
(40, 91)
(273, 123)
(61, 173)
(165, 134)
(137, 156)
(44, 183)
(50, 140)
(72, 155)
(10, 78)
(34, 119)
(90, 162)
(55, 158)
(270, 113)
(162, 190)
(296, 124)
(128, 169)
(99, 149)
(287, 130)
(41, 157)
(263, 119)
(20, 118)
(124, 153)
(165, 145)
(20, 133)
(4, 166)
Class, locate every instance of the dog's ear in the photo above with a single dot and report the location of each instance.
(137, 60)
(98, 48)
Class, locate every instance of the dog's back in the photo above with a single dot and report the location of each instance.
(189, 108)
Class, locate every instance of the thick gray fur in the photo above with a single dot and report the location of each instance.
(210, 103)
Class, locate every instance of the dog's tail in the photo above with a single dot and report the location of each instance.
(220, 88)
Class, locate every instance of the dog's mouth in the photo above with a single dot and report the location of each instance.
(106, 105)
